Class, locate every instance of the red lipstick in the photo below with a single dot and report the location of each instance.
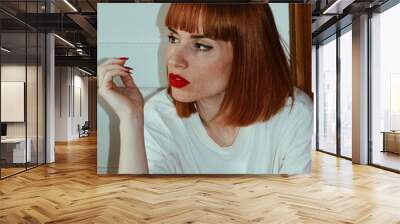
(177, 81)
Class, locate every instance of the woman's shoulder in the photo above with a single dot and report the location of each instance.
(297, 112)
(298, 106)
(301, 101)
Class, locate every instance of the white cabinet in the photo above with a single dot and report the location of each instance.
(16, 147)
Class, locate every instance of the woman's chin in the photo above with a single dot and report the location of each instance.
(181, 96)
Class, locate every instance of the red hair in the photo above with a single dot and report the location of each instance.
(260, 82)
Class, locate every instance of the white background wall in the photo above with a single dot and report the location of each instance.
(17, 73)
(135, 31)
(33, 126)
(67, 114)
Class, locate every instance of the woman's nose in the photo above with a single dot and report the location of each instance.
(177, 57)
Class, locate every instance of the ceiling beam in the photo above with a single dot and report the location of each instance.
(84, 61)
(86, 27)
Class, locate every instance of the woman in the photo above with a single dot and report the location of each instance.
(230, 106)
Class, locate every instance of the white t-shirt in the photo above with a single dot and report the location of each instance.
(175, 145)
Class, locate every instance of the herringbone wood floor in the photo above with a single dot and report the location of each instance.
(70, 191)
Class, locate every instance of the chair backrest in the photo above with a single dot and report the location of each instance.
(86, 125)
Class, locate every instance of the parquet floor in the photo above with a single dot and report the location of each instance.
(387, 159)
(9, 171)
(70, 191)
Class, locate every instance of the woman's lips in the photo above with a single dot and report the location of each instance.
(177, 81)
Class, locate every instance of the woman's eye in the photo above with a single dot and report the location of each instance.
(203, 47)
(171, 39)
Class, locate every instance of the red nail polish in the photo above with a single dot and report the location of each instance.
(123, 58)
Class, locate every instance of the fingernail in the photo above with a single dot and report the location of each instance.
(127, 67)
(123, 58)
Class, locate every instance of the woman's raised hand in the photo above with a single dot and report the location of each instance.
(126, 101)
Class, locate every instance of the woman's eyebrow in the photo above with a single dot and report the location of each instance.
(198, 36)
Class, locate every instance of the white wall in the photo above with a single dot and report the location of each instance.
(17, 73)
(139, 39)
(80, 103)
(61, 103)
(33, 126)
(68, 81)
(281, 16)
(14, 73)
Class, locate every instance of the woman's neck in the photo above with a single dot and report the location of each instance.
(208, 109)
(221, 134)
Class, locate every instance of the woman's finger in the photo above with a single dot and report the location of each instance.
(110, 61)
(107, 82)
(103, 66)
(128, 81)
(112, 67)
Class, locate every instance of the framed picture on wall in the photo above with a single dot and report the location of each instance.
(12, 101)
